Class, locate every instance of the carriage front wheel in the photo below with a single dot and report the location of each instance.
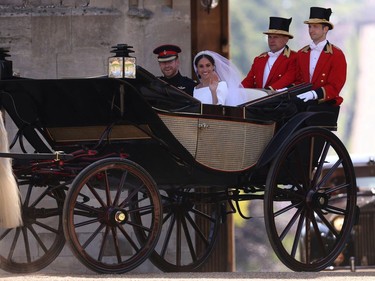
(34, 245)
(310, 200)
(98, 212)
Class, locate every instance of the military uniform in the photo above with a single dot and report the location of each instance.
(181, 82)
(168, 53)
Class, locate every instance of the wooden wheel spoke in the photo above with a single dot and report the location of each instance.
(330, 172)
(116, 244)
(26, 243)
(327, 223)
(317, 236)
(189, 239)
(14, 243)
(321, 163)
(128, 238)
(197, 229)
(287, 208)
(133, 194)
(37, 238)
(120, 187)
(47, 227)
(168, 235)
(290, 224)
(178, 240)
(297, 236)
(93, 235)
(102, 245)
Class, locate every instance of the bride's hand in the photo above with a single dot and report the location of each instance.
(214, 81)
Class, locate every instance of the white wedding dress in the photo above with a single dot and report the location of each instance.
(205, 96)
(242, 95)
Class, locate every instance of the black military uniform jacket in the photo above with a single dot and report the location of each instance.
(181, 82)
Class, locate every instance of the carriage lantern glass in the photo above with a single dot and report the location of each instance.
(122, 65)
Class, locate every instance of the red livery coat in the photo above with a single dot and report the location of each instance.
(282, 74)
(330, 72)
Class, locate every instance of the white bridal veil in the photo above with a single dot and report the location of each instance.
(229, 73)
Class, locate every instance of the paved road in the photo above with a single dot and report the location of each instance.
(217, 276)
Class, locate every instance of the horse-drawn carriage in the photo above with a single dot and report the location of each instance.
(129, 169)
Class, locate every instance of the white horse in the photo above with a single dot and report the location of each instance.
(10, 204)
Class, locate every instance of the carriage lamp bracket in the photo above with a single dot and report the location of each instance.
(122, 98)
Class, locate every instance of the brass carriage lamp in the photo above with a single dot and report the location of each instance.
(6, 66)
(122, 65)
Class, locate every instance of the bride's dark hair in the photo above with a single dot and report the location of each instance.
(198, 58)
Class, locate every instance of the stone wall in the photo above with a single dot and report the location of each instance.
(50, 39)
(73, 38)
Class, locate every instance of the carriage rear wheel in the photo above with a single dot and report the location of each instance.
(190, 229)
(34, 245)
(310, 200)
(98, 210)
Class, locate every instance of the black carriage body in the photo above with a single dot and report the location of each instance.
(183, 156)
(169, 133)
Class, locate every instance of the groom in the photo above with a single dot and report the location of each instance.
(169, 64)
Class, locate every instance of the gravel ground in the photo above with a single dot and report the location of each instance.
(217, 276)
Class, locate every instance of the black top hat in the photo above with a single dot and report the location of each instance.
(320, 15)
(167, 52)
(279, 26)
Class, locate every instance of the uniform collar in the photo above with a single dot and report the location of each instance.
(318, 46)
(174, 78)
(286, 52)
(328, 48)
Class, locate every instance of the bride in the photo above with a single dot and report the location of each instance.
(220, 81)
(211, 89)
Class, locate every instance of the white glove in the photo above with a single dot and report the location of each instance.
(281, 90)
(310, 95)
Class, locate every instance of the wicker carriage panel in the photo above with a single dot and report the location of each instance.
(221, 144)
(185, 130)
(231, 146)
